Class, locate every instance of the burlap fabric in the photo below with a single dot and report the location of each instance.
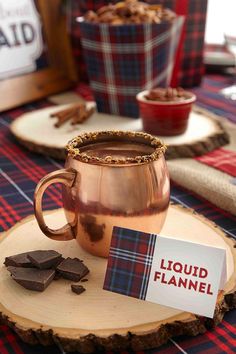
(211, 184)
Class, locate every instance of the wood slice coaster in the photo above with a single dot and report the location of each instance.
(99, 319)
(36, 131)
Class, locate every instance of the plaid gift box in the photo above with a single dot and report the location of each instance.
(129, 262)
(189, 63)
(126, 59)
(189, 67)
(74, 9)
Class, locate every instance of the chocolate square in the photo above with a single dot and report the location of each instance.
(18, 260)
(45, 259)
(72, 268)
(32, 278)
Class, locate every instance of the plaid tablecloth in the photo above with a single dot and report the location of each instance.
(221, 159)
(209, 97)
(20, 171)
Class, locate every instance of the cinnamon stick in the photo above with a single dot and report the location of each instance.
(77, 113)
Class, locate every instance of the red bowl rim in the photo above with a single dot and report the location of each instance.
(141, 97)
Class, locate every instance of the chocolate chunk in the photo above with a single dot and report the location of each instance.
(18, 260)
(32, 278)
(83, 280)
(78, 289)
(57, 263)
(57, 276)
(72, 268)
(44, 259)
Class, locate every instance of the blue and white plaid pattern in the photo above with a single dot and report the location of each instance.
(129, 262)
(124, 60)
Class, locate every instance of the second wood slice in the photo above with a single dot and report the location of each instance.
(97, 318)
(36, 131)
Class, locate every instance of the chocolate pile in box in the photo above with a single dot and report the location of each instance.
(130, 12)
(35, 270)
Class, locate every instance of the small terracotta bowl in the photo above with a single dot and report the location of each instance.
(166, 118)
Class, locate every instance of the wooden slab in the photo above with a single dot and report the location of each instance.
(98, 318)
(68, 97)
(36, 131)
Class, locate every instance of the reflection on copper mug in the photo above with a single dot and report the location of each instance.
(111, 178)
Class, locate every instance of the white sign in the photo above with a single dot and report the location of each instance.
(186, 275)
(165, 270)
(20, 37)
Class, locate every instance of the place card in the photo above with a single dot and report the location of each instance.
(164, 270)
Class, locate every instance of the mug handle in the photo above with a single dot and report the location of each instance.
(66, 177)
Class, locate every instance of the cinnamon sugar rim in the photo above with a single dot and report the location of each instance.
(73, 147)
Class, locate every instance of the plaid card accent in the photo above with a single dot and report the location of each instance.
(139, 265)
(129, 262)
(221, 159)
(124, 60)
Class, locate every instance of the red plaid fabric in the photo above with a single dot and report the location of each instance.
(189, 67)
(221, 159)
(129, 262)
(209, 97)
(124, 60)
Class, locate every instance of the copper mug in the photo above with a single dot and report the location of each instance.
(111, 178)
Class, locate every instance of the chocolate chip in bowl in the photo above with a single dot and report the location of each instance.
(167, 94)
(165, 111)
